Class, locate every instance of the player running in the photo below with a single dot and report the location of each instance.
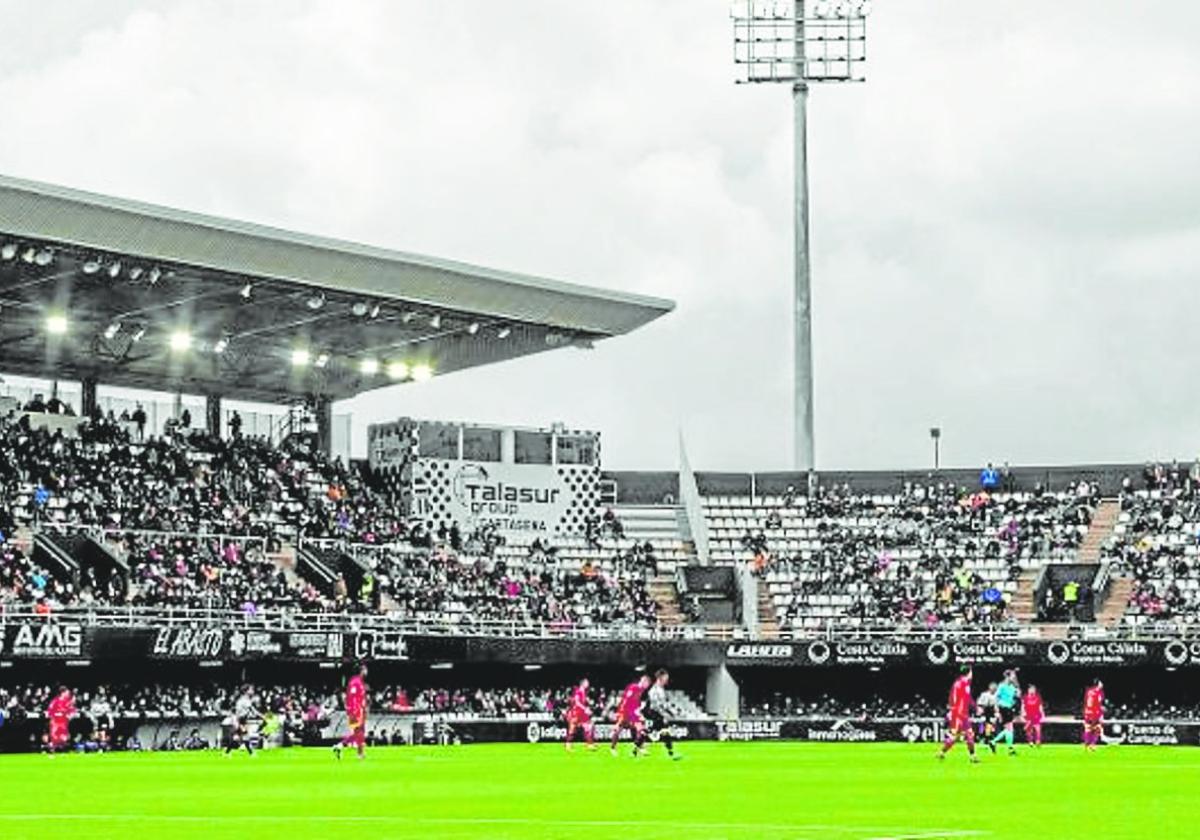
(579, 716)
(989, 711)
(59, 713)
(356, 714)
(629, 712)
(1034, 714)
(235, 726)
(655, 707)
(1093, 715)
(958, 720)
(1008, 697)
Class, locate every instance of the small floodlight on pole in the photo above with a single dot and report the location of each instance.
(936, 433)
(800, 42)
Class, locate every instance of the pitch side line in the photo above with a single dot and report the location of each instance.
(267, 818)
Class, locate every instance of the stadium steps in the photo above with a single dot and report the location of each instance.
(688, 708)
(1116, 601)
(1104, 522)
(666, 595)
(768, 616)
(1024, 606)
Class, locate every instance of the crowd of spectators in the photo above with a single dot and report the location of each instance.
(1157, 544)
(932, 555)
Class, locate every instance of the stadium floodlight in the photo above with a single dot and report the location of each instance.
(114, 270)
(503, 333)
(8, 252)
(422, 373)
(180, 340)
(435, 320)
(29, 256)
(246, 291)
(368, 367)
(322, 360)
(300, 357)
(473, 327)
(154, 276)
(44, 257)
(56, 323)
(360, 308)
(407, 317)
(315, 302)
(801, 42)
(92, 266)
(375, 310)
(135, 273)
(398, 370)
(110, 332)
(222, 345)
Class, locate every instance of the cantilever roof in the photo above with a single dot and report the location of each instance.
(211, 258)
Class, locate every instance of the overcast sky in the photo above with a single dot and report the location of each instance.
(1006, 216)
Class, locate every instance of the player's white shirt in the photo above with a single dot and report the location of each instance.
(987, 699)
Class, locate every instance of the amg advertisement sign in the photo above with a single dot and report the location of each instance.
(42, 641)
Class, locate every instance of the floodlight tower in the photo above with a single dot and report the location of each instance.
(801, 42)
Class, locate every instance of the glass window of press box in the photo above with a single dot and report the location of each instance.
(481, 444)
(577, 449)
(532, 447)
(439, 440)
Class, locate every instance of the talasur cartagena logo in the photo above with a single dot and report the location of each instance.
(475, 490)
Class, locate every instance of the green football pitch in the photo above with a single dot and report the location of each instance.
(720, 790)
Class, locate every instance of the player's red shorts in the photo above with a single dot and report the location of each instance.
(59, 732)
(959, 723)
(1033, 721)
(1093, 721)
(578, 717)
(631, 719)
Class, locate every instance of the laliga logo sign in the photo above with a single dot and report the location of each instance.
(1176, 653)
(1058, 653)
(819, 652)
(938, 653)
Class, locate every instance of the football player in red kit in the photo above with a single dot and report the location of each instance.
(1033, 715)
(579, 715)
(1093, 715)
(629, 715)
(356, 714)
(59, 714)
(958, 719)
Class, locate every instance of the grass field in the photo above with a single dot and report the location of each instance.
(720, 790)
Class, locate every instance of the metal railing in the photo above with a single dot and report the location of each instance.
(297, 619)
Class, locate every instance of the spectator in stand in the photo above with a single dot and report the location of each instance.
(139, 419)
(235, 425)
(989, 478)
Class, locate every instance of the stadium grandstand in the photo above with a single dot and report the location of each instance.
(480, 569)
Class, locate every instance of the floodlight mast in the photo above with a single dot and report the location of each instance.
(801, 42)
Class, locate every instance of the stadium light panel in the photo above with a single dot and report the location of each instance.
(473, 327)
(316, 302)
(180, 340)
(504, 332)
(154, 276)
(436, 321)
(368, 367)
(56, 324)
(8, 252)
(422, 373)
(91, 267)
(375, 310)
(138, 334)
(114, 270)
(110, 332)
(44, 257)
(300, 357)
(135, 273)
(29, 255)
(246, 291)
(398, 370)
(360, 309)
(322, 360)
(221, 346)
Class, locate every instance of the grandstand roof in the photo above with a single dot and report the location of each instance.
(129, 276)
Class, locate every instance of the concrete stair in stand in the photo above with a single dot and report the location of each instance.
(1115, 602)
(768, 617)
(1100, 531)
(666, 595)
